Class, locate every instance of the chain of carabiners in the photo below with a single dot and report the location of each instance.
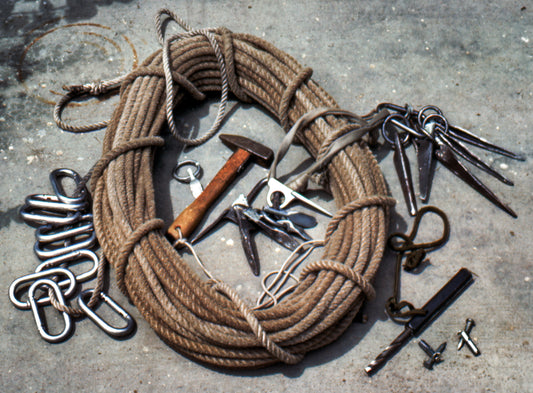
(65, 238)
(401, 311)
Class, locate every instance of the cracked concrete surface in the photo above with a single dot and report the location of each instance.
(473, 60)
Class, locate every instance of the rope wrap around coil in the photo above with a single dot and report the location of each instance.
(209, 322)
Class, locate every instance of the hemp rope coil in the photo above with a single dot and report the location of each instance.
(205, 319)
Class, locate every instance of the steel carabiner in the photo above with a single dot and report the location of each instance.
(54, 272)
(70, 259)
(53, 233)
(106, 327)
(47, 250)
(41, 209)
(55, 179)
(41, 324)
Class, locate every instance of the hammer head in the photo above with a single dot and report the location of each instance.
(260, 153)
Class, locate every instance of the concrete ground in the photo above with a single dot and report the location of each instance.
(472, 59)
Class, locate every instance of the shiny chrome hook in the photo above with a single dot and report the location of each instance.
(41, 324)
(106, 327)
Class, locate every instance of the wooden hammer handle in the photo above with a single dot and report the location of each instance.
(191, 217)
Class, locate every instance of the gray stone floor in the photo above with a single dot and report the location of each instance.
(473, 59)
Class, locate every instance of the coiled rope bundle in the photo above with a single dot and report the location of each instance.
(205, 319)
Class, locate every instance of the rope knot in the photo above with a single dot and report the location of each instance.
(93, 89)
(414, 258)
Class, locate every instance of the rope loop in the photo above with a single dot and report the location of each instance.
(343, 270)
(288, 95)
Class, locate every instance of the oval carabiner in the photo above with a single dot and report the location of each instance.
(55, 178)
(41, 324)
(44, 209)
(106, 327)
(54, 272)
(48, 250)
(74, 257)
(52, 233)
(48, 202)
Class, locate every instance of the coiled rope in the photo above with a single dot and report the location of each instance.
(206, 319)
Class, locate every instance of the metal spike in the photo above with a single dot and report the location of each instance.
(474, 140)
(426, 166)
(445, 155)
(463, 151)
(401, 163)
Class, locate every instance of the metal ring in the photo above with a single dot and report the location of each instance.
(189, 178)
(443, 122)
(388, 119)
(420, 116)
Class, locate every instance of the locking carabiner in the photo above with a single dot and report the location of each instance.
(41, 324)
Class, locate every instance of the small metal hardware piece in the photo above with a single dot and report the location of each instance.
(41, 324)
(55, 179)
(40, 209)
(192, 178)
(53, 233)
(15, 286)
(105, 326)
(435, 357)
(289, 195)
(401, 162)
(469, 325)
(287, 225)
(464, 338)
(48, 202)
(301, 219)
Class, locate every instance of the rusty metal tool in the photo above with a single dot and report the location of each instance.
(241, 214)
(433, 308)
(188, 220)
(401, 162)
